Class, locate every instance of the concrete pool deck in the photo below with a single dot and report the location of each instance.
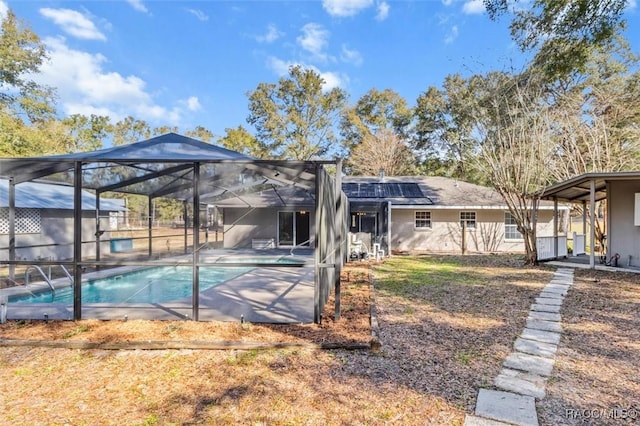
(268, 295)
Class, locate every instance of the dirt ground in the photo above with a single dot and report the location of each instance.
(446, 323)
(596, 377)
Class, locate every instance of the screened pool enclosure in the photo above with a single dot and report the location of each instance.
(254, 240)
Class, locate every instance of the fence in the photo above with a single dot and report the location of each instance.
(546, 247)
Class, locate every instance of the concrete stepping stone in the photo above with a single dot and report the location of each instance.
(522, 383)
(470, 420)
(507, 407)
(530, 363)
(544, 316)
(533, 347)
(541, 336)
(543, 307)
(549, 295)
(549, 300)
(544, 325)
(554, 288)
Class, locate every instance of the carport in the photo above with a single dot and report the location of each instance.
(197, 174)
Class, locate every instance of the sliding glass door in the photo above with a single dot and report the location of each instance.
(293, 228)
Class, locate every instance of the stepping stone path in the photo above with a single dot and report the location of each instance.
(525, 371)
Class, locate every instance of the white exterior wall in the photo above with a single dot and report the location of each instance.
(241, 226)
(445, 234)
(55, 239)
(623, 237)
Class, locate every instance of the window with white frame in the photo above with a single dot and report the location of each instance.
(468, 219)
(511, 228)
(423, 220)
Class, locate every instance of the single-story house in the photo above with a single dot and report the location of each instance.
(621, 191)
(44, 221)
(417, 213)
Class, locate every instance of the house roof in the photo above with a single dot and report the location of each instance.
(579, 188)
(435, 192)
(42, 195)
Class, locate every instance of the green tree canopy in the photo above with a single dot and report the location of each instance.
(296, 117)
(376, 111)
(240, 140)
(562, 33)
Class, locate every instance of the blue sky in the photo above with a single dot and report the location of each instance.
(189, 63)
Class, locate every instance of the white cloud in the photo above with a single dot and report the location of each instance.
(280, 67)
(351, 56)
(453, 35)
(383, 11)
(271, 35)
(314, 39)
(193, 104)
(631, 5)
(3, 9)
(85, 87)
(73, 23)
(138, 5)
(473, 7)
(331, 79)
(198, 14)
(447, 2)
(345, 7)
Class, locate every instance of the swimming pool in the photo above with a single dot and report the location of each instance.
(151, 285)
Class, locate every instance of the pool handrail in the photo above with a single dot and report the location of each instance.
(39, 269)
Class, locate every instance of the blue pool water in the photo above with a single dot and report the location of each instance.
(152, 285)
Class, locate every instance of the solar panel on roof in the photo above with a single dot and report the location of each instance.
(382, 190)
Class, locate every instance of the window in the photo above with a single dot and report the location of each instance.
(468, 218)
(423, 220)
(510, 228)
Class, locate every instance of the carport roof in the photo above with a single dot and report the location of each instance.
(579, 188)
(164, 166)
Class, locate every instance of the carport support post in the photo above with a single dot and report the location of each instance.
(555, 227)
(77, 241)
(584, 218)
(592, 231)
(196, 241)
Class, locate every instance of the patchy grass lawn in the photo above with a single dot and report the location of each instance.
(446, 325)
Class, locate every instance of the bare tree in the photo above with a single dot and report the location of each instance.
(516, 150)
(384, 150)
